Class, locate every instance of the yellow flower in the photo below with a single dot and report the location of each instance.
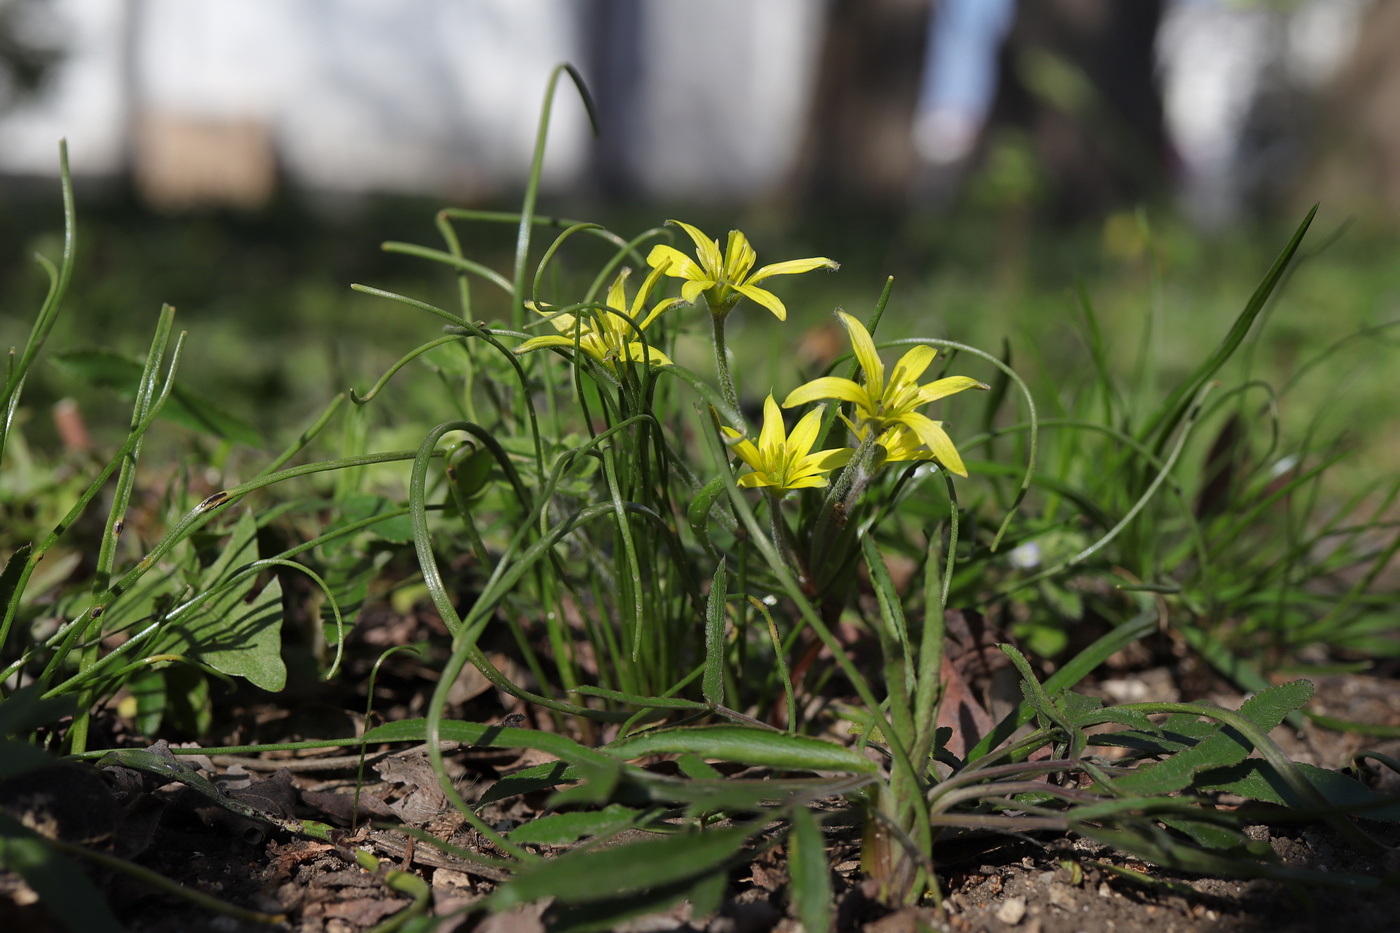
(881, 405)
(724, 278)
(608, 335)
(784, 461)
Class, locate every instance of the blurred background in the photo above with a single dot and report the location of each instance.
(243, 159)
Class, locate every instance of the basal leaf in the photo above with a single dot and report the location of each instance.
(704, 893)
(1222, 748)
(1256, 779)
(1267, 708)
(540, 777)
(747, 745)
(583, 876)
(713, 683)
(230, 631)
(563, 828)
(810, 872)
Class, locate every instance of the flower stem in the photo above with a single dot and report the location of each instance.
(726, 381)
(843, 493)
(782, 537)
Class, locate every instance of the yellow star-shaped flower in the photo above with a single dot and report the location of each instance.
(609, 334)
(724, 278)
(881, 405)
(783, 461)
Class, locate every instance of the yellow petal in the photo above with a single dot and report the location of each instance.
(692, 290)
(832, 459)
(942, 388)
(764, 297)
(793, 267)
(705, 248)
(678, 265)
(617, 294)
(912, 365)
(807, 482)
(648, 284)
(539, 343)
(773, 432)
(645, 353)
(931, 433)
(739, 257)
(866, 354)
(743, 447)
(754, 480)
(656, 312)
(803, 436)
(827, 387)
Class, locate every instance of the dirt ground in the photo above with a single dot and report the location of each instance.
(1042, 884)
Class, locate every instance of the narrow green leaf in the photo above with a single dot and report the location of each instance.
(745, 744)
(713, 684)
(540, 777)
(564, 828)
(584, 876)
(810, 872)
(1181, 399)
(494, 736)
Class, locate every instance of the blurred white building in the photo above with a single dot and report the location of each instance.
(213, 101)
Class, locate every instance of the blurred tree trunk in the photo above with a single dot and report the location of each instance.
(858, 153)
(1079, 77)
(1356, 168)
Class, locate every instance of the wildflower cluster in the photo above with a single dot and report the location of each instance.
(884, 410)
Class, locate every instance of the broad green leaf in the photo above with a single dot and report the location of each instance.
(1258, 780)
(696, 768)
(1267, 708)
(109, 369)
(810, 872)
(1210, 835)
(63, 889)
(587, 875)
(705, 894)
(1221, 749)
(564, 828)
(746, 745)
(540, 777)
(229, 631)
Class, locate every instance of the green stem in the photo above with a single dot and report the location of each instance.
(726, 381)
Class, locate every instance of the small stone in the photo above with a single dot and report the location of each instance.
(1105, 890)
(1012, 911)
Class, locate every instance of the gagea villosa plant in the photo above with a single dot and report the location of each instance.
(680, 586)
